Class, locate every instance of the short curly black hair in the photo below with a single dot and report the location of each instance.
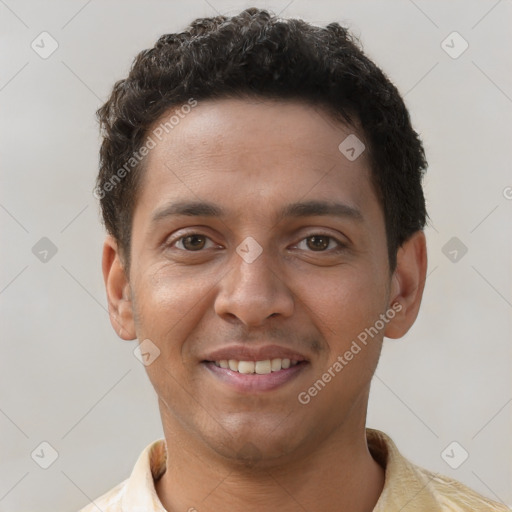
(257, 54)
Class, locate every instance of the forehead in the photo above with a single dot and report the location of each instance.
(253, 154)
(250, 127)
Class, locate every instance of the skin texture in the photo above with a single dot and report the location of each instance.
(262, 450)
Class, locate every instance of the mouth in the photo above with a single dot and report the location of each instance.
(247, 371)
(262, 367)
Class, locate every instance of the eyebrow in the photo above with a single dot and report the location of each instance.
(294, 210)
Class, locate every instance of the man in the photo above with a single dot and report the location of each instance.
(260, 183)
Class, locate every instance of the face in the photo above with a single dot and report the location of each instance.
(256, 240)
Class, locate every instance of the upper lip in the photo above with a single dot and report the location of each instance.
(254, 353)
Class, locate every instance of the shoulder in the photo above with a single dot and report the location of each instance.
(138, 491)
(111, 501)
(411, 487)
(454, 495)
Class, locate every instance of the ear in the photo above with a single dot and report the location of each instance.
(120, 306)
(407, 284)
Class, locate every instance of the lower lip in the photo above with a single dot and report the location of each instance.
(253, 382)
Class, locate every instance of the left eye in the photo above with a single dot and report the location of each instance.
(319, 243)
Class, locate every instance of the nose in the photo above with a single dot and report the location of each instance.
(253, 291)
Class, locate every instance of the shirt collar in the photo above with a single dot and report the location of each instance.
(405, 488)
(140, 494)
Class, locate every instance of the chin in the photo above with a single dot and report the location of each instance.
(256, 446)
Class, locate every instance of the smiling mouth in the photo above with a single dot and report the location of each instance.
(244, 376)
(262, 367)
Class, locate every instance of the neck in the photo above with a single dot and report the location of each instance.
(338, 475)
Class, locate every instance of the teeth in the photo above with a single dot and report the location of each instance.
(246, 367)
(275, 365)
(258, 367)
(262, 367)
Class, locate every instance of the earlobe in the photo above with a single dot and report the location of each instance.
(407, 284)
(120, 305)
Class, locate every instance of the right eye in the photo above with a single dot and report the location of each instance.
(191, 242)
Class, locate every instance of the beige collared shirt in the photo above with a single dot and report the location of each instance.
(407, 487)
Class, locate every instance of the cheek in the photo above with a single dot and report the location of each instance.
(346, 303)
(349, 304)
(168, 307)
(169, 303)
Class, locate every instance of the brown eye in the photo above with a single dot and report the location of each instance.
(318, 242)
(193, 242)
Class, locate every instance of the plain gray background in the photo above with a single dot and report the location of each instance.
(66, 379)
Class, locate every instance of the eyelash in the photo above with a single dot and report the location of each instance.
(340, 244)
